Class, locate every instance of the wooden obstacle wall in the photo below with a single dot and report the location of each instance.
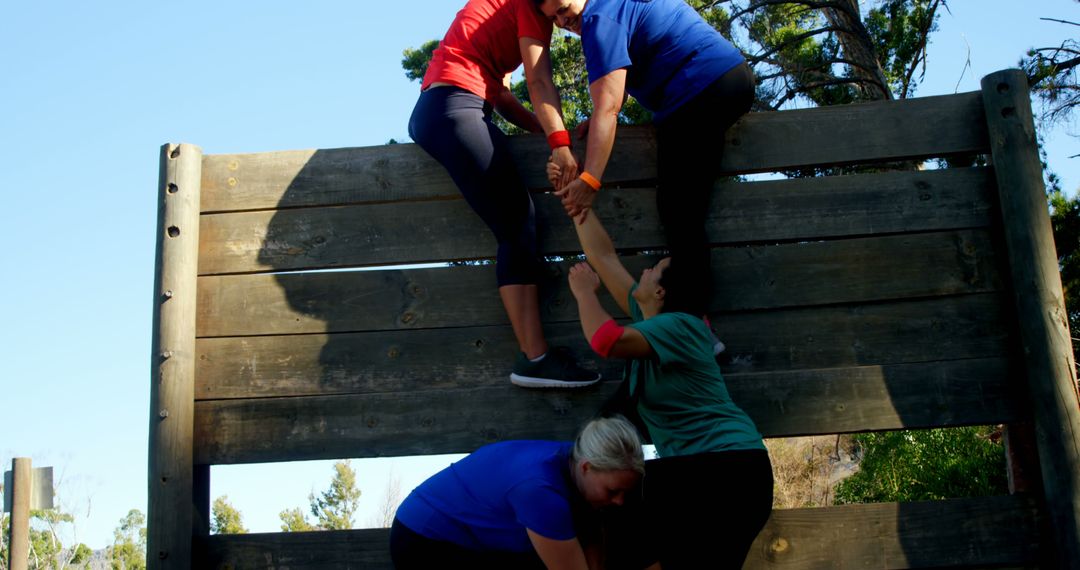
(900, 299)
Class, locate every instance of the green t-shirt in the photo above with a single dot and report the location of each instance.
(682, 396)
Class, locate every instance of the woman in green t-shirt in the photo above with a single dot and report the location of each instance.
(710, 492)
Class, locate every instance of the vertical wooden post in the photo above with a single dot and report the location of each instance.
(200, 531)
(19, 544)
(1040, 304)
(172, 392)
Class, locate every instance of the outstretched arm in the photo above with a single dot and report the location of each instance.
(601, 255)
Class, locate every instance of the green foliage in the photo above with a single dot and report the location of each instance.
(333, 509)
(225, 519)
(128, 551)
(415, 61)
(1052, 74)
(1065, 219)
(918, 465)
(47, 550)
(293, 520)
(5, 536)
(900, 31)
(81, 555)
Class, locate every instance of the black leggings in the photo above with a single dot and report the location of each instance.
(690, 145)
(410, 550)
(697, 511)
(454, 126)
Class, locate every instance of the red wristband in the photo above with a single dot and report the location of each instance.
(590, 180)
(605, 337)
(558, 139)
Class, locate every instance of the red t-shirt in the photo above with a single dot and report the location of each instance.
(481, 46)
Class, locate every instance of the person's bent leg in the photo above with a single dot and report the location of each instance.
(451, 125)
(523, 308)
(454, 126)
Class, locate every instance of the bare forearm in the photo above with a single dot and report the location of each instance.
(545, 100)
(513, 111)
(601, 140)
(595, 241)
(591, 313)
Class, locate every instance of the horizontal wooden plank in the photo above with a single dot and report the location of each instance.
(757, 277)
(989, 532)
(329, 549)
(400, 172)
(406, 360)
(854, 205)
(417, 232)
(459, 420)
(842, 134)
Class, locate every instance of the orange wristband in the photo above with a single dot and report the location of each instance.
(590, 180)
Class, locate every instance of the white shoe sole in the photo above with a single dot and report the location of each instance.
(531, 382)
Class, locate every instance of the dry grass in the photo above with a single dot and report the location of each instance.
(807, 469)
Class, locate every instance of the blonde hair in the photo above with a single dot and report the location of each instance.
(610, 444)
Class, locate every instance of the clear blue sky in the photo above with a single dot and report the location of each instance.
(90, 91)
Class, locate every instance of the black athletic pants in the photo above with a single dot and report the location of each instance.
(690, 145)
(693, 512)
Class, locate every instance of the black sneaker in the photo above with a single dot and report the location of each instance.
(556, 370)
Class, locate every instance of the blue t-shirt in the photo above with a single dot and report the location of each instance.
(670, 52)
(486, 500)
(683, 399)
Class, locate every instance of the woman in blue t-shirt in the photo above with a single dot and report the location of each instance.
(710, 493)
(696, 83)
(518, 504)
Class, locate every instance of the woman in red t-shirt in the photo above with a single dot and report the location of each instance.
(468, 78)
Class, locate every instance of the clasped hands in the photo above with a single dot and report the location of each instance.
(563, 170)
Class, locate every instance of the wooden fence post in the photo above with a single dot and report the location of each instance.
(1040, 304)
(172, 394)
(19, 545)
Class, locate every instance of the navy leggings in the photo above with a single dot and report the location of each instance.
(690, 145)
(454, 126)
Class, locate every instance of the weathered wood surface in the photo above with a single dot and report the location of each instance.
(861, 132)
(746, 278)
(402, 172)
(416, 232)
(18, 526)
(170, 506)
(983, 532)
(459, 420)
(826, 337)
(1040, 304)
(929, 126)
(961, 532)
